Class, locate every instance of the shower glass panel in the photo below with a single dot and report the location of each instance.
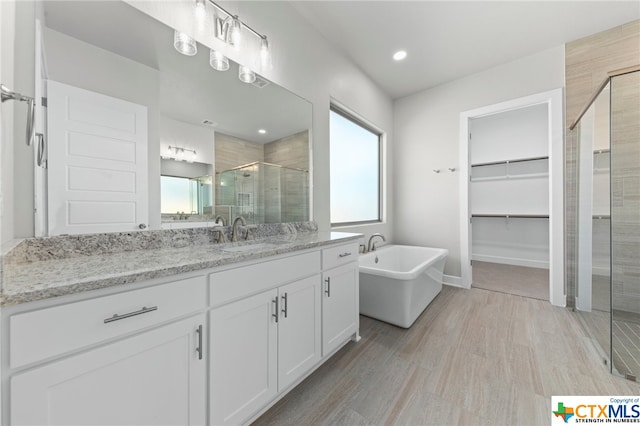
(263, 193)
(608, 272)
(625, 223)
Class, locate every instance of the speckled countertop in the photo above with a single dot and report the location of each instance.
(39, 273)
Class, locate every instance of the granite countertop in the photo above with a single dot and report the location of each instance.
(43, 278)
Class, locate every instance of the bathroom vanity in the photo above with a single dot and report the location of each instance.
(198, 334)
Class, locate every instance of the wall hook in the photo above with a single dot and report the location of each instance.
(436, 170)
(452, 169)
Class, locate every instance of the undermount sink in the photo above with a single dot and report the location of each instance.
(249, 247)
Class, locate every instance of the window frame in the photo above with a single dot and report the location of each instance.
(354, 118)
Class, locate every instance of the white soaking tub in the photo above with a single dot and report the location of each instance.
(398, 282)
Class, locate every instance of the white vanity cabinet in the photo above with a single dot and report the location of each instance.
(153, 378)
(340, 297)
(135, 357)
(262, 344)
(214, 346)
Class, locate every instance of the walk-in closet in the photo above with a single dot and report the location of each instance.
(509, 201)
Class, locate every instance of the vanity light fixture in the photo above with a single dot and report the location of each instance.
(262, 131)
(229, 29)
(246, 75)
(399, 55)
(184, 43)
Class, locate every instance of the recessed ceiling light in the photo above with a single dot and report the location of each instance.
(262, 131)
(399, 55)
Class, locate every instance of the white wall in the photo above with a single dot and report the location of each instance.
(305, 63)
(427, 128)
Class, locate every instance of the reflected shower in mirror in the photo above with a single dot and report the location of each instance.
(201, 122)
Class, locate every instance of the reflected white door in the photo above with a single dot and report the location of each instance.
(97, 176)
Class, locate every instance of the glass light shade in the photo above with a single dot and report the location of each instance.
(246, 75)
(201, 9)
(235, 31)
(265, 54)
(184, 44)
(218, 61)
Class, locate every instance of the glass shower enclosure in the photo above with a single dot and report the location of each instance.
(263, 193)
(607, 290)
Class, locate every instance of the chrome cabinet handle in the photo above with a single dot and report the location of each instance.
(199, 348)
(328, 290)
(117, 317)
(345, 254)
(275, 300)
(284, 305)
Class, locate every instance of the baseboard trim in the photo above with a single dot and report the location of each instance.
(512, 261)
(453, 281)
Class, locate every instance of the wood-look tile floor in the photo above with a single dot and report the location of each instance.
(473, 357)
(512, 279)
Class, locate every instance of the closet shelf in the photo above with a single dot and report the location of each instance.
(509, 177)
(517, 160)
(512, 216)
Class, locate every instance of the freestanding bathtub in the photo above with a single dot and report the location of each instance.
(398, 282)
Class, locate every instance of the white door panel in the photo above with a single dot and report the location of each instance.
(97, 162)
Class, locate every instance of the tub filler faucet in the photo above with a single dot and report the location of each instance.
(372, 247)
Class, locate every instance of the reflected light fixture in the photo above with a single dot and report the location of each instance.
(184, 44)
(399, 55)
(246, 75)
(262, 131)
(218, 61)
(180, 154)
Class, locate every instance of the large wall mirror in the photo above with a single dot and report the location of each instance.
(215, 146)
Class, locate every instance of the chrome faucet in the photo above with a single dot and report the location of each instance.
(234, 228)
(219, 218)
(372, 247)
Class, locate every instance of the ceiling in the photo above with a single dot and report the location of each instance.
(446, 40)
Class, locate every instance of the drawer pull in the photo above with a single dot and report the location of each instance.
(199, 348)
(345, 254)
(328, 290)
(117, 317)
(275, 300)
(285, 305)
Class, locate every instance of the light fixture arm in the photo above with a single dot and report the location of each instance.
(231, 16)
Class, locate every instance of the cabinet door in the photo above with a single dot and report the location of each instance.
(299, 339)
(339, 306)
(154, 378)
(243, 357)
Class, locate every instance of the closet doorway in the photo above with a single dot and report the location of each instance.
(511, 197)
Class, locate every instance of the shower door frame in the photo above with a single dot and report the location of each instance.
(554, 101)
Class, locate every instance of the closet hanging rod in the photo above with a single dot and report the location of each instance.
(9, 95)
(518, 160)
(514, 216)
(601, 216)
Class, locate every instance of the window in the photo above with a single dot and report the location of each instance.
(355, 170)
